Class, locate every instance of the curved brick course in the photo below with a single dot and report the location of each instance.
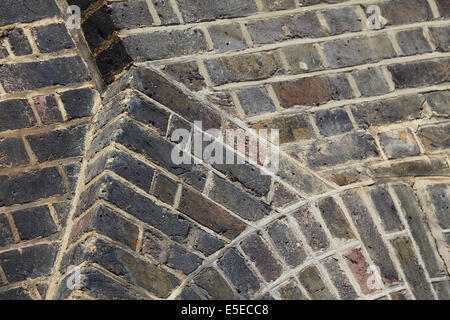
(87, 180)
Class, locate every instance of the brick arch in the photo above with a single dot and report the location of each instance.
(361, 190)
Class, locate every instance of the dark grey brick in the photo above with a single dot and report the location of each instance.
(441, 37)
(52, 37)
(399, 143)
(202, 10)
(78, 103)
(13, 153)
(412, 42)
(312, 281)
(291, 291)
(6, 235)
(15, 294)
(440, 102)
(214, 285)
(255, 101)
(14, 11)
(34, 223)
(340, 279)
(335, 219)
(19, 42)
(342, 20)
(386, 209)
(333, 121)
(179, 258)
(312, 230)
(16, 114)
(440, 200)
(227, 37)
(208, 244)
(165, 189)
(371, 82)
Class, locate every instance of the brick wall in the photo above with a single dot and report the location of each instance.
(86, 135)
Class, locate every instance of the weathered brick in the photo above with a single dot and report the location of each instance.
(313, 282)
(291, 291)
(371, 82)
(235, 268)
(348, 175)
(164, 44)
(165, 189)
(399, 295)
(34, 223)
(412, 42)
(6, 235)
(47, 108)
(439, 102)
(12, 153)
(165, 11)
(399, 143)
(3, 52)
(419, 229)
(342, 20)
(189, 293)
(78, 103)
(289, 247)
(302, 58)
(209, 214)
(98, 27)
(282, 196)
(370, 236)
(441, 37)
(113, 60)
(440, 200)
(442, 289)
(30, 186)
(16, 114)
(58, 144)
(237, 200)
(405, 11)
(215, 286)
(302, 25)
(411, 168)
(62, 211)
(421, 73)
(29, 262)
(386, 209)
(58, 71)
(258, 252)
(20, 11)
(130, 15)
(187, 73)
(207, 243)
(312, 229)
(444, 8)
(52, 37)
(72, 172)
(83, 4)
(203, 10)
(255, 101)
(360, 269)
(387, 111)
(246, 67)
(414, 273)
(333, 121)
(19, 42)
(15, 294)
(272, 5)
(179, 258)
(435, 137)
(227, 37)
(358, 50)
(340, 279)
(335, 219)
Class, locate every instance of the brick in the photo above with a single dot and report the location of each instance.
(15, 294)
(207, 243)
(441, 36)
(440, 200)
(399, 12)
(113, 60)
(3, 52)
(255, 101)
(58, 144)
(282, 196)
(442, 289)
(203, 10)
(289, 247)
(12, 153)
(355, 146)
(209, 214)
(346, 176)
(399, 295)
(165, 189)
(273, 5)
(342, 20)
(419, 229)
(412, 42)
(28, 263)
(416, 74)
(227, 37)
(435, 137)
(412, 168)
(258, 252)
(19, 42)
(137, 205)
(370, 236)
(130, 15)
(291, 128)
(302, 25)
(333, 121)
(58, 71)
(247, 67)
(83, 4)
(439, 102)
(312, 91)
(104, 221)
(240, 275)
(357, 50)
(72, 171)
(302, 58)
(313, 282)
(163, 44)
(414, 273)
(165, 12)
(62, 211)
(340, 279)
(312, 229)
(399, 143)
(16, 114)
(187, 73)
(34, 223)
(124, 265)
(386, 209)
(6, 235)
(20, 11)
(189, 294)
(371, 82)
(30, 186)
(47, 108)
(444, 8)
(180, 259)
(98, 27)
(360, 269)
(78, 103)
(52, 37)
(291, 291)
(387, 111)
(335, 219)
(215, 286)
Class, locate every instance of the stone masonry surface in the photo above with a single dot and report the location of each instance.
(87, 179)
